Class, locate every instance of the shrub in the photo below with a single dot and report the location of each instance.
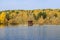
(44, 15)
(17, 12)
(37, 17)
(34, 17)
(0, 12)
(7, 16)
(55, 15)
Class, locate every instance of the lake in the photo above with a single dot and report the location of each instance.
(43, 32)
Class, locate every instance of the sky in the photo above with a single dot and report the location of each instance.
(28, 4)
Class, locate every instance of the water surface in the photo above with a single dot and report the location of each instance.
(45, 32)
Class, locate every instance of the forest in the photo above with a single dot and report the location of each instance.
(37, 16)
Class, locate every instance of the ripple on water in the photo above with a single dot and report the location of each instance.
(20, 32)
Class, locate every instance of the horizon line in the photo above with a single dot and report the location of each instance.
(29, 9)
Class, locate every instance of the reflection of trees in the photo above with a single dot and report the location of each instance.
(2, 25)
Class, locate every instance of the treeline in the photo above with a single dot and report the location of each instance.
(39, 16)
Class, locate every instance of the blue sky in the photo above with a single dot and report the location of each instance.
(28, 4)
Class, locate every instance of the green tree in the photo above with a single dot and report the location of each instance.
(13, 11)
(17, 12)
(55, 15)
(44, 15)
(39, 15)
(0, 12)
(7, 16)
(34, 17)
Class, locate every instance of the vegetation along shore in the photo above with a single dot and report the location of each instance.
(38, 16)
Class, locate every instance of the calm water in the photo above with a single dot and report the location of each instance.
(45, 32)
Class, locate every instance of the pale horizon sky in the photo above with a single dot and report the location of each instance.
(28, 4)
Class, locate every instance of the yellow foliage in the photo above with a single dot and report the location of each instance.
(36, 12)
(41, 20)
(2, 17)
(24, 16)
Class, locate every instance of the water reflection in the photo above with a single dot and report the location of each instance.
(30, 33)
(2, 25)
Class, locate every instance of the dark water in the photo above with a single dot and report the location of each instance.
(45, 32)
